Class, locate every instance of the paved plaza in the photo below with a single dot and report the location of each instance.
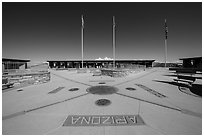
(146, 102)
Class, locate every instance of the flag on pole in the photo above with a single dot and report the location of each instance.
(166, 29)
(114, 21)
(82, 21)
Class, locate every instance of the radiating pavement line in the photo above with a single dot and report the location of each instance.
(135, 78)
(44, 106)
(71, 79)
(139, 107)
(113, 85)
(184, 111)
(148, 101)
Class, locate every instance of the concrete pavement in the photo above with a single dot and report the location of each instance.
(34, 111)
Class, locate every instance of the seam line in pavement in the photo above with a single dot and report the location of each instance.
(70, 79)
(177, 109)
(139, 108)
(183, 111)
(135, 78)
(29, 110)
(56, 102)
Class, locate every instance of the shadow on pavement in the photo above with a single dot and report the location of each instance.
(174, 75)
(195, 88)
(16, 87)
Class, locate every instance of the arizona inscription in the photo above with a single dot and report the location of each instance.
(103, 120)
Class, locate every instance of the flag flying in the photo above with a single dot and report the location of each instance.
(166, 29)
(82, 21)
(114, 21)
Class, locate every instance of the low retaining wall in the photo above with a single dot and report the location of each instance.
(113, 73)
(84, 70)
(28, 78)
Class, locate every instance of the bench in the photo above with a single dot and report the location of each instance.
(188, 79)
(185, 75)
(191, 72)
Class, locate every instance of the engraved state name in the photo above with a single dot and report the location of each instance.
(103, 120)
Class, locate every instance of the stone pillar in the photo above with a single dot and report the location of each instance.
(26, 65)
(58, 64)
(65, 64)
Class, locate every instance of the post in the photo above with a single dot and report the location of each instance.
(82, 40)
(113, 42)
(165, 52)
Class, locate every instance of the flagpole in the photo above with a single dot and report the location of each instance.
(113, 42)
(165, 52)
(166, 31)
(82, 40)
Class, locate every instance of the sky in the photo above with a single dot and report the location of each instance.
(52, 30)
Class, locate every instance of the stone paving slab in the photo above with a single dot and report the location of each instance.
(172, 92)
(131, 130)
(36, 96)
(170, 122)
(31, 124)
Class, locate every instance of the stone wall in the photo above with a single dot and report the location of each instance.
(28, 78)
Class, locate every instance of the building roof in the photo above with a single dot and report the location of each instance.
(192, 58)
(14, 60)
(93, 60)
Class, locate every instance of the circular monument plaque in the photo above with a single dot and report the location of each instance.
(102, 90)
(103, 102)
